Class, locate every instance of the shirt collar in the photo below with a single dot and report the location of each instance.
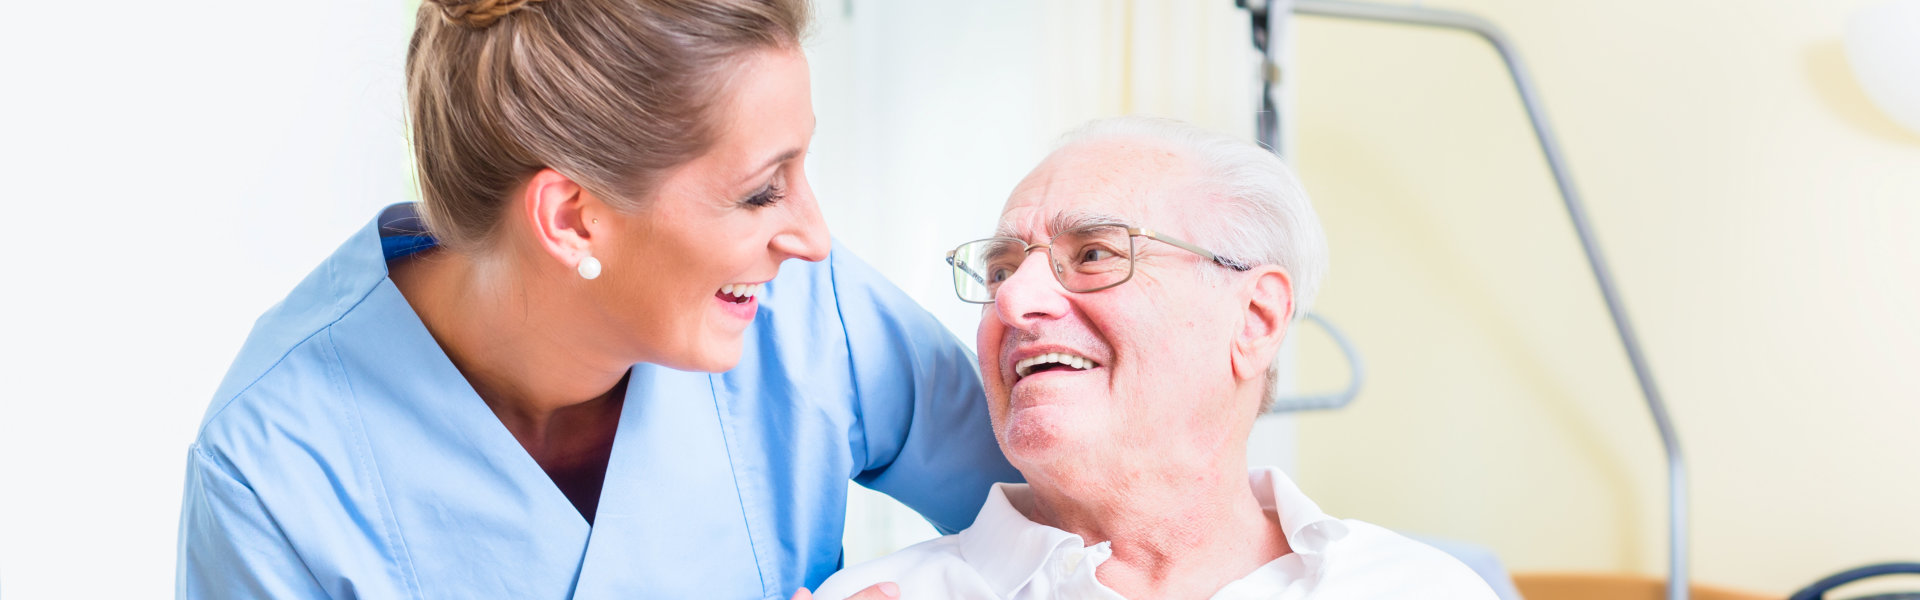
(402, 231)
(1309, 531)
(1004, 546)
(1007, 549)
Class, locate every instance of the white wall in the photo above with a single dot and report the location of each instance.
(171, 170)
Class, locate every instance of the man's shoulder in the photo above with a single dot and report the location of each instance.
(1386, 564)
(929, 569)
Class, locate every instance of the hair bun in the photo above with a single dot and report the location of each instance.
(478, 14)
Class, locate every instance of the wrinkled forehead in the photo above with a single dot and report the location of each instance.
(1111, 181)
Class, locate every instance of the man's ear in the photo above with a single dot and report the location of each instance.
(1267, 313)
(561, 215)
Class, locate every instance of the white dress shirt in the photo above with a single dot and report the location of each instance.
(1005, 555)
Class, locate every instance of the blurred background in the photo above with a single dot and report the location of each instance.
(174, 168)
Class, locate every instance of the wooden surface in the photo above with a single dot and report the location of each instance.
(1608, 586)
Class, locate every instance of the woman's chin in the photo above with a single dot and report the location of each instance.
(717, 352)
(708, 362)
(717, 356)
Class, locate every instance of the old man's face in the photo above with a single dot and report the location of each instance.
(1154, 349)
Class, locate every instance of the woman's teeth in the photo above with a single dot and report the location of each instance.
(1026, 367)
(743, 290)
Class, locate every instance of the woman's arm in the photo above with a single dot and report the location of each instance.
(928, 441)
(229, 546)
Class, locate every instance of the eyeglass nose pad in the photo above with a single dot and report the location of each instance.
(1058, 269)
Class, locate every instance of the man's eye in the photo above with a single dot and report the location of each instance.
(998, 274)
(1095, 254)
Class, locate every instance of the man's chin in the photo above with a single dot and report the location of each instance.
(1041, 434)
(1048, 390)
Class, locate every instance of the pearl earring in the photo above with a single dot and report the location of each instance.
(589, 267)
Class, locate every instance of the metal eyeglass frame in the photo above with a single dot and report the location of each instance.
(1132, 232)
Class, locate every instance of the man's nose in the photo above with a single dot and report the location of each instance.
(1031, 294)
(805, 235)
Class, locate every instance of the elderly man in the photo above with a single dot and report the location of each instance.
(1141, 282)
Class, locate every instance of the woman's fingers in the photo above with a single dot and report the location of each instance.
(803, 594)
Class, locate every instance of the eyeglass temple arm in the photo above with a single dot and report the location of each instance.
(1217, 259)
(956, 264)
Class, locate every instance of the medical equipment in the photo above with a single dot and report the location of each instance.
(1356, 374)
(1272, 35)
(1819, 589)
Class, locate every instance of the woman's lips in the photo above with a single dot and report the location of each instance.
(740, 300)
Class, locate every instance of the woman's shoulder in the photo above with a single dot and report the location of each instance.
(844, 280)
(278, 383)
(289, 352)
(844, 312)
(842, 304)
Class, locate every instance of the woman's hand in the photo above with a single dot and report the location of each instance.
(878, 591)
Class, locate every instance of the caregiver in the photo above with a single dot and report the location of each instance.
(571, 370)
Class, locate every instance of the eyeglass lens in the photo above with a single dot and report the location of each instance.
(1083, 260)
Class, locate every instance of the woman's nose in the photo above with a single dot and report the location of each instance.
(805, 236)
(1031, 294)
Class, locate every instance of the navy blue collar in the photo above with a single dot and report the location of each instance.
(402, 231)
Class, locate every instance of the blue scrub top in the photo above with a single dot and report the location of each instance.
(345, 457)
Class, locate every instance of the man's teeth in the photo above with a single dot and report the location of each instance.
(1025, 367)
(743, 290)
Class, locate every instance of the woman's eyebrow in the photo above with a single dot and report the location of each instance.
(789, 154)
(784, 156)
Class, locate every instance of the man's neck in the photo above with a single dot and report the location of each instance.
(1174, 532)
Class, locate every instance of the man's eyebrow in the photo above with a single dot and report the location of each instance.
(1066, 220)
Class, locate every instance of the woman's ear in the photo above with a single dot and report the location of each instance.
(558, 212)
(1266, 316)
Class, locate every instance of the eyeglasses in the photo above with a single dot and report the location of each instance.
(1083, 259)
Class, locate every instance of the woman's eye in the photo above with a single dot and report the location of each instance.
(998, 274)
(767, 196)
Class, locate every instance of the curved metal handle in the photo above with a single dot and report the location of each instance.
(1269, 18)
(1819, 589)
(1356, 369)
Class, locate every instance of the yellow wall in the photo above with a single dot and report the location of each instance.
(1760, 216)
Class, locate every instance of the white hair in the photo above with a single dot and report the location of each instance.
(1260, 214)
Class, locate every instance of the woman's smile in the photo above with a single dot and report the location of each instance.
(740, 300)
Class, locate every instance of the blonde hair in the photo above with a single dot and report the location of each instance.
(611, 93)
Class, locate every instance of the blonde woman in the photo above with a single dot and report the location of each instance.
(584, 365)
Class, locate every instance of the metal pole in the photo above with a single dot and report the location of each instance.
(1677, 588)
